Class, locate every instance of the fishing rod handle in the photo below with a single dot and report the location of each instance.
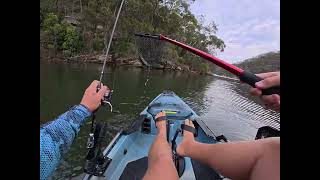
(251, 79)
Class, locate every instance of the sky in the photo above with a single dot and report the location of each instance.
(247, 27)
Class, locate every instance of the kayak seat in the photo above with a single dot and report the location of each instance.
(136, 170)
(202, 171)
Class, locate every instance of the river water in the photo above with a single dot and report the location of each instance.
(224, 105)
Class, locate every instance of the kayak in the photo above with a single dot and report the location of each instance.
(126, 156)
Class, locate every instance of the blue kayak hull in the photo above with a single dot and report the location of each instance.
(129, 148)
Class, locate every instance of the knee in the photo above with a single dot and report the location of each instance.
(272, 144)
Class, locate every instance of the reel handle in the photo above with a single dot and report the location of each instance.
(106, 98)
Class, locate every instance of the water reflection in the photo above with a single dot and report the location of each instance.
(225, 106)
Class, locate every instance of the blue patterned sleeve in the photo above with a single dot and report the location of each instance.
(57, 136)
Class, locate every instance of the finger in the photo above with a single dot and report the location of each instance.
(267, 100)
(268, 74)
(277, 108)
(99, 84)
(107, 88)
(102, 91)
(255, 92)
(271, 99)
(268, 82)
(93, 84)
(274, 106)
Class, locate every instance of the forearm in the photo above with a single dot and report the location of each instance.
(57, 136)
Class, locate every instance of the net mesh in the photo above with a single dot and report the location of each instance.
(150, 51)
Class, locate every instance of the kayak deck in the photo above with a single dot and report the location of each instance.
(128, 151)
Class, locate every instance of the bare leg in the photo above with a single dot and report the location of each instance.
(259, 159)
(160, 163)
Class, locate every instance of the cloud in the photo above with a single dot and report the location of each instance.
(250, 39)
(248, 27)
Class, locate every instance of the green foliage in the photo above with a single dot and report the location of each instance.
(50, 21)
(71, 40)
(203, 68)
(98, 44)
(170, 17)
(60, 35)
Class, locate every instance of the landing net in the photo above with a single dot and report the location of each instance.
(150, 51)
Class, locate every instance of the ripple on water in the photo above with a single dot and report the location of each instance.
(234, 115)
(225, 106)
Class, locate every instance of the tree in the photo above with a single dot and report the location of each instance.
(169, 17)
(61, 36)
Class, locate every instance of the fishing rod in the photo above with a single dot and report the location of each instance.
(94, 154)
(107, 97)
(243, 75)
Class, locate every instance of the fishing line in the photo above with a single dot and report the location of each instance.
(148, 76)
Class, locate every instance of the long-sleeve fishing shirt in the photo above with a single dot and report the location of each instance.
(57, 136)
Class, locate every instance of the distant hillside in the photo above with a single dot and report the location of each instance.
(262, 63)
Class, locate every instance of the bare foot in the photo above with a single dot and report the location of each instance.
(188, 139)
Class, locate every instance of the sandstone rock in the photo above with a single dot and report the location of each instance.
(100, 27)
(158, 66)
(137, 63)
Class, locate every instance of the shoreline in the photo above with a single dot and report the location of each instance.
(121, 62)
